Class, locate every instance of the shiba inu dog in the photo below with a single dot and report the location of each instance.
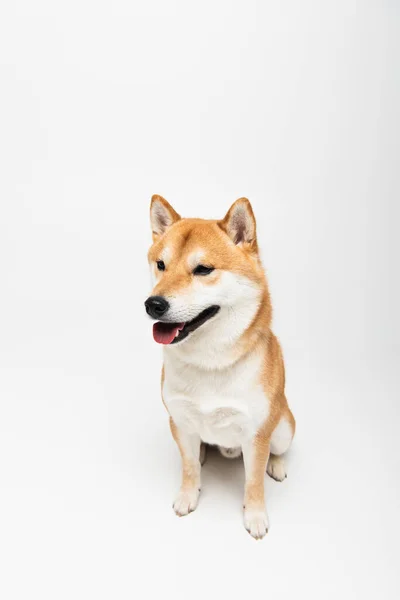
(223, 379)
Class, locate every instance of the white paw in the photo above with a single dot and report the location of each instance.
(256, 522)
(230, 452)
(186, 501)
(276, 468)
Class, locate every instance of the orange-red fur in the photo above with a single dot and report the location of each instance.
(184, 237)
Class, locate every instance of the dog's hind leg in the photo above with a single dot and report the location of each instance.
(280, 442)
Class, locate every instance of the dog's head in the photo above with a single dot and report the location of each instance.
(209, 282)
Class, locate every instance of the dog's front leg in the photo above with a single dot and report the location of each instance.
(255, 456)
(189, 447)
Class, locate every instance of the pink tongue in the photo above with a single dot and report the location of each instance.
(164, 333)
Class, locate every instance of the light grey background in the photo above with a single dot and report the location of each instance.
(293, 104)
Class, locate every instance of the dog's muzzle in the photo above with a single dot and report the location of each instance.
(156, 306)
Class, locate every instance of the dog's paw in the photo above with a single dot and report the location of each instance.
(256, 522)
(276, 468)
(230, 452)
(186, 501)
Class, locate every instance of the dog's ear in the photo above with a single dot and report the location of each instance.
(240, 224)
(162, 216)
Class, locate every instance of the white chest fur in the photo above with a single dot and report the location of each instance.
(224, 406)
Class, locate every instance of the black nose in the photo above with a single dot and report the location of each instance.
(156, 306)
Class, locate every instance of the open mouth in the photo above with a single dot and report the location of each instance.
(171, 333)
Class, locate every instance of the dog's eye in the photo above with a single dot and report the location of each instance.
(161, 265)
(202, 270)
